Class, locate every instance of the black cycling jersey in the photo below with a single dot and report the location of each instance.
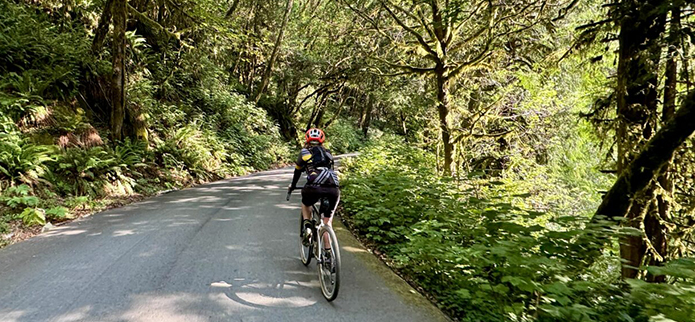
(322, 181)
(317, 162)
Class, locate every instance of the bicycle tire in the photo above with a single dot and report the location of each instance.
(330, 286)
(305, 252)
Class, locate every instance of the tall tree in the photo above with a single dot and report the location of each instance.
(103, 27)
(445, 40)
(273, 56)
(641, 25)
(120, 11)
(655, 228)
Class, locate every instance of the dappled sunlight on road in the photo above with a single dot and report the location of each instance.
(63, 231)
(354, 249)
(12, 316)
(163, 307)
(293, 205)
(224, 251)
(257, 294)
(197, 199)
(79, 314)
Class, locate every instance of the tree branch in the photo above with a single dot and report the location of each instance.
(475, 60)
(417, 35)
(154, 27)
(645, 166)
(368, 19)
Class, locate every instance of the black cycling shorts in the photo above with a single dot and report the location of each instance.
(312, 194)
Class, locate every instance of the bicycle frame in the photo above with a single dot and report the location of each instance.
(317, 218)
(316, 249)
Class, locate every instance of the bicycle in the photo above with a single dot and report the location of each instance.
(327, 259)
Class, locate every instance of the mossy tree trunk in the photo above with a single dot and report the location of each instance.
(641, 26)
(103, 27)
(645, 167)
(120, 12)
(443, 111)
(656, 230)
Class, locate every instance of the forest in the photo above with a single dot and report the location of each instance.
(520, 160)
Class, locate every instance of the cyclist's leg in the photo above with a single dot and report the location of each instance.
(306, 212)
(333, 196)
(309, 197)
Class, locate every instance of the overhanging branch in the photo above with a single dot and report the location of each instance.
(417, 35)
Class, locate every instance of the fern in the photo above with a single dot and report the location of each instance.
(99, 171)
(22, 161)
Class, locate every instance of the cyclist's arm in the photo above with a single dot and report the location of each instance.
(295, 178)
(304, 156)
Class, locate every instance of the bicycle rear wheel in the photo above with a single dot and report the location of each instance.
(305, 249)
(329, 264)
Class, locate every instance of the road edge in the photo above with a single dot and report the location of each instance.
(397, 284)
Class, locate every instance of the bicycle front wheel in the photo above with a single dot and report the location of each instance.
(305, 244)
(329, 264)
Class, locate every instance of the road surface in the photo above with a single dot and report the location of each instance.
(224, 251)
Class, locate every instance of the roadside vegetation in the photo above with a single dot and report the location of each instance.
(519, 160)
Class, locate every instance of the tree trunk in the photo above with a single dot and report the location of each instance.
(641, 26)
(135, 124)
(318, 121)
(656, 230)
(404, 126)
(443, 109)
(278, 41)
(102, 28)
(119, 73)
(368, 117)
(314, 119)
(156, 35)
(342, 98)
(231, 10)
(644, 168)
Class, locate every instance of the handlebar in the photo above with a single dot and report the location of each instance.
(290, 189)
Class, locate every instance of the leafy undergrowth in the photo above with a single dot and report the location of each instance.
(56, 161)
(483, 255)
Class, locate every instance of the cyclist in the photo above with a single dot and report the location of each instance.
(322, 182)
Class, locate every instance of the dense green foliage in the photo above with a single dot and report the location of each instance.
(187, 121)
(489, 132)
(485, 254)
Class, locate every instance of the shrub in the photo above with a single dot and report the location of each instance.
(198, 151)
(22, 161)
(97, 171)
(24, 205)
(18, 197)
(58, 214)
(485, 259)
(343, 137)
(40, 59)
(33, 216)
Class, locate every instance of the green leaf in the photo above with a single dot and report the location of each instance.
(58, 213)
(33, 216)
(463, 293)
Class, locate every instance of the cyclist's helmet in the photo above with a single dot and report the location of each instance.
(315, 135)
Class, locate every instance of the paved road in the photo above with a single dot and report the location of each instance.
(224, 251)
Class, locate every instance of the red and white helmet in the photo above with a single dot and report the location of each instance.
(315, 135)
